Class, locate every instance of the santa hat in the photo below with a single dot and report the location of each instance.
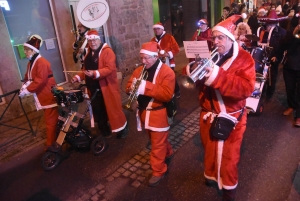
(33, 43)
(228, 26)
(262, 9)
(272, 18)
(298, 14)
(92, 34)
(150, 48)
(203, 21)
(158, 25)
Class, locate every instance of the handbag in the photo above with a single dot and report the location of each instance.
(222, 125)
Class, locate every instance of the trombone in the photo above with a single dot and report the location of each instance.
(200, 71)
(132, 94)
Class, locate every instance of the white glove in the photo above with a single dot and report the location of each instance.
(141, 89)
(24, 92)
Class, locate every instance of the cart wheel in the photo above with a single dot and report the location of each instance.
(260, 109)
(50, 160)
(98, 145)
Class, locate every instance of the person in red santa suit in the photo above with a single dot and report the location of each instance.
(100, 72)
(153, 93)
(225, 88)
(167, 43)
(39, 80)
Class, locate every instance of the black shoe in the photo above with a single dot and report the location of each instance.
(210, 183)
(154, 180)
(228, 195)
(123, 133)
(54, 148)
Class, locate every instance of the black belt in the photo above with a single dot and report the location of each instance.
(51, 75)
(152, 109)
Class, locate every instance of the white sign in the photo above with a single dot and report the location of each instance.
(50, 44)
(4, 4)
(196, 47)
(92, 13)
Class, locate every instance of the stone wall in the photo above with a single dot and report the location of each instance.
(129, 26)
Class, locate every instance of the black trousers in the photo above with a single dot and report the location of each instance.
(292, 87)
(274, 75)
(100, 113)
(177, 89)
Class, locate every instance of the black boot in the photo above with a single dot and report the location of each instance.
(123, 133)
(228, 195)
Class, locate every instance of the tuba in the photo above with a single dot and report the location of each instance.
(132, 94)
(199, 72)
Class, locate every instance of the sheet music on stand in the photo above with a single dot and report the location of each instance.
(193, 48)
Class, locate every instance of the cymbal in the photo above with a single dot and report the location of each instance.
(252, 37)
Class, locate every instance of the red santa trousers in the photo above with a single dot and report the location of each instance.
(51, 118)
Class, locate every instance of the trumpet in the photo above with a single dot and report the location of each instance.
(133, 96)
(200, 71)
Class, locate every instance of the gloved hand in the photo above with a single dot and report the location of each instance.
(74, 79)
(141, 89)
(133, 83)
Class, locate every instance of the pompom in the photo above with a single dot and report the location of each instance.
(244, 15)
(161, 52)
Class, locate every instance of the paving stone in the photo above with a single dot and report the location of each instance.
(133, 169)
(101, 192)
(127, 165)
(143, 160)
(121, 170)
(126, 173)
(147, 157)
(142, 153)
(145, 167)
(141, 178)
(93, 191)
(100, 187)
(138, 164)
(110, 178)
(85, 197)
(136, 184)
(116, 174)
(133, 176)
(137, 157)
(139, 171)
(132, 161)
(95, 197)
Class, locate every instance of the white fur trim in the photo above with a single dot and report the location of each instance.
(143, 51)
(213, 75)
(78, 78)
(219, 161)
(141, 89)
(138, 120)
(90, 37)
(171, 54)
(31, 47)
(224, 31)
(230, 187)
(97, 74)
(119, 129)
(158, 26)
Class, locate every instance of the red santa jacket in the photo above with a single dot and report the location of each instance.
(205, 35)
(108, 82)
(169, 44)
(42, 81)
(161, 90)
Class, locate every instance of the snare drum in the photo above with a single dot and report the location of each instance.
(74, 96)
(257, 54)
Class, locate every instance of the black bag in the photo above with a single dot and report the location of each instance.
(221, 127)
(171, 107)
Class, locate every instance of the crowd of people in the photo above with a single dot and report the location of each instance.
(220, 98)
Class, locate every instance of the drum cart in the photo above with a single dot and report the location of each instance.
(70, 130)
(254, 103)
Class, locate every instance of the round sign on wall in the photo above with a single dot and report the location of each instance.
(92, 13)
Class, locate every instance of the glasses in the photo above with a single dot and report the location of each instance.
(146, 58)
(27, 50)
(201, 24)
(93, 40)
(219, 37)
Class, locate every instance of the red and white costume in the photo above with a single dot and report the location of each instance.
(168, 43)
(107, 76)
(42, 80)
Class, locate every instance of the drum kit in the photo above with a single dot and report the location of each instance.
(260, 56)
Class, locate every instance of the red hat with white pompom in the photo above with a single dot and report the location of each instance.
(92, 34)
(158, 25)
(150, 48)
(228, 26)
